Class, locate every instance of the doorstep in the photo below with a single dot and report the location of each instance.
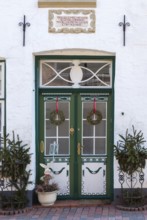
(78, 203)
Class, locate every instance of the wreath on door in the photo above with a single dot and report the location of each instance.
(57, 117)
(94, 117)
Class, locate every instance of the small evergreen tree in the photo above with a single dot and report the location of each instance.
(15, 156)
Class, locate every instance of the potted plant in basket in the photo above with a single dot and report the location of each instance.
(47, 191)
(131, 155)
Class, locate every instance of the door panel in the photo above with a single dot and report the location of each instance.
(93, 177)
(94, 147)
(60, 171)
(76, 150)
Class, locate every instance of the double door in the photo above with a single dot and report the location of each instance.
(75, 140)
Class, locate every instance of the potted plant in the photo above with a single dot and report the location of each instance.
(14, 175)
(131, 155)
(47, 191)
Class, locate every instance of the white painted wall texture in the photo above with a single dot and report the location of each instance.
(130, 70)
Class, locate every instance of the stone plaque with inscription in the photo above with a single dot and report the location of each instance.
(72, 21)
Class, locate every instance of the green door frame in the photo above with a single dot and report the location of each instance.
(38, 92)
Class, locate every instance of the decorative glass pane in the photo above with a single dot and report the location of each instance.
(102, 108)
(54, 148)
(100, 129)
(87, 146)
(76, 73)
(50, 106)
(100, 146)
(49, 141)
(50, 129)
(56, 74)
(64, 106)
(87, 129)
(63, 146)
(88, 106)
(64, 129)
(95, 74)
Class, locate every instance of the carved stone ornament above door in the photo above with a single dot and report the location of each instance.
(67, 3)
(72, 21)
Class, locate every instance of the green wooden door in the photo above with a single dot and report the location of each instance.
(76, 148)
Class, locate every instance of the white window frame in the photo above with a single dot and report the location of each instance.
(2, 79)
(2, 117)
(2, 96)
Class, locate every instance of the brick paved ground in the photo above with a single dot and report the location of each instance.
(107, 212)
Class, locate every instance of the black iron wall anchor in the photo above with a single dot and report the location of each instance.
(24, 24)
(124, 24)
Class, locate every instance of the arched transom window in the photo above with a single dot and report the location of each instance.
(76, 73)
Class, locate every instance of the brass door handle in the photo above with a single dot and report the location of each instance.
(42, 147)
(79, 148)
(72, 130)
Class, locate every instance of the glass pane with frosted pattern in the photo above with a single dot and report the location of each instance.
(63, 146)
(96, 74)
(51, 129)
(102, 108)
(64, 106)
(49, 141)
(88, 106)
(64, 128)
(56, 74)
(50, 106)
(87, 129)
(100, 145)
(100, 129)
(87, 146)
